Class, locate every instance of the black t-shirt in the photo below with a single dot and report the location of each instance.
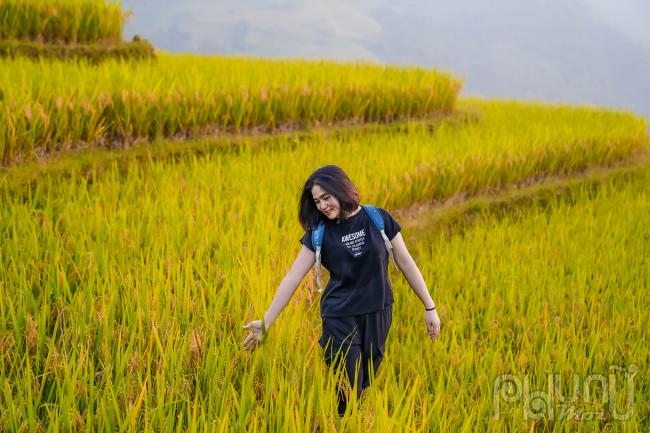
(355, 255)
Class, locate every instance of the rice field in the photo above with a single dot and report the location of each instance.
(553, 291)
(488, 144)
(92, 53)
(50, 105)
(65, 21)
(126, 282)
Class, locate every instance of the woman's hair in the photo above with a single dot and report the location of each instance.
(333, 180)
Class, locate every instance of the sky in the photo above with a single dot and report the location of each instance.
(593, 52)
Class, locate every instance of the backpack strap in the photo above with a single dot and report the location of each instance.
(376, 218)
(317, 242)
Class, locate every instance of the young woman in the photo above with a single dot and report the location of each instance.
(356, 305)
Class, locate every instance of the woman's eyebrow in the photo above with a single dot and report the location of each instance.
(321, 196)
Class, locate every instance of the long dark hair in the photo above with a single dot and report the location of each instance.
(336, 182)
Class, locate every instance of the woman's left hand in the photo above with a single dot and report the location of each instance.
(433, 323)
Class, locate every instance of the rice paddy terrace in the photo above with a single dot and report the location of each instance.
(149, 209)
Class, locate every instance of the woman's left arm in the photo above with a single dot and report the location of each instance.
(414, 277)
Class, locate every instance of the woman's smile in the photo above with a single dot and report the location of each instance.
(325, 202)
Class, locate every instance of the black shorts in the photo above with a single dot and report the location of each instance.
(365, 333)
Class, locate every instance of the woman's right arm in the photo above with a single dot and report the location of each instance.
(305, 260)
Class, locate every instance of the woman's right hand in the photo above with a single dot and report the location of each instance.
(433, 323)
(256, 336)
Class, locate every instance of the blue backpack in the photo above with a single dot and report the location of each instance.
(317, 238)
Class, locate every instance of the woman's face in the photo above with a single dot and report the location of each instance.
(326, 202)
